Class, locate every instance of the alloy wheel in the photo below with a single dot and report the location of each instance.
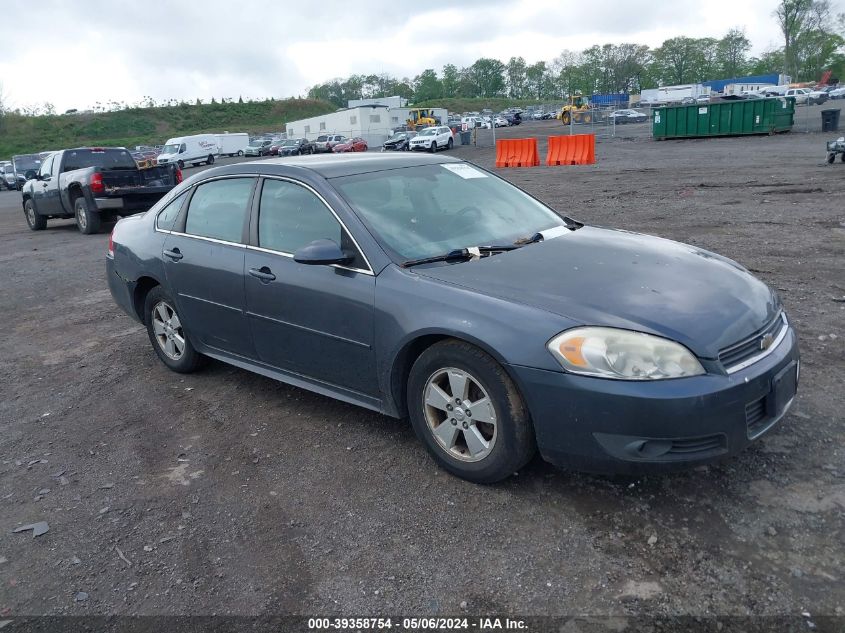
(460, 414)
(168, 330)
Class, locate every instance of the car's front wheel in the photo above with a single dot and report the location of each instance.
(468, 412)
(433, 147)
(34, 221)
(167, 333)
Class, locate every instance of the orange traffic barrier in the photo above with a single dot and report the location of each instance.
(517, 152)
(578, 149)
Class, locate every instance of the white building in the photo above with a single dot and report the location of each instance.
(373, 123)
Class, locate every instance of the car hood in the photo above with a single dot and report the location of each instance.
(614, 278)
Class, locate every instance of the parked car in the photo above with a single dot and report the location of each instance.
(8, 177)
(432, 139)
(428, 288)
(627, 116)
(325, 142)
(294, 147)
(501, 121)
(537, 115)
(801, 95)
(837, 93)
(93, 184)
(356, 144)
(817, 97)
(259, 147)
(397, 142)
(25, 167)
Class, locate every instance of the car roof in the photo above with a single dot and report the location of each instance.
(333, 165)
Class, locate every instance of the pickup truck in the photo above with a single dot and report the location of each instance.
(93, 185)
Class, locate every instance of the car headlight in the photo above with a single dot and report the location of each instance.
(623, 355)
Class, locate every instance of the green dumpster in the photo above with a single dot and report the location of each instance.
(724, 118)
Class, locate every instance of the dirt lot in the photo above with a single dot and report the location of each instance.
(227, 493)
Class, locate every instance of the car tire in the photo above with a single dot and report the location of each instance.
(433, 147)
(87, 221)
(450, 144)
(240, 152)
(830, 159)
(165, 334)
(33, 220)
(479, 451)
(181, 164)
(209, 160)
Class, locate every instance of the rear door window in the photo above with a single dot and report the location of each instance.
(167, 216)
(218, 209)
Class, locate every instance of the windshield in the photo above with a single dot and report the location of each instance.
(289, 143)
(8, 169)
(105, 159)
(26, 162)
(428, 132)
(322, 138)
(173, 148)
(429, 210)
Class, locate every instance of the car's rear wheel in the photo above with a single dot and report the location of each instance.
(34, 221)
(87, 221)
(832, 157)
(181, 164)
(468, 413)
(209, 160)
(240, 152)
(167, 333)
(450, 144)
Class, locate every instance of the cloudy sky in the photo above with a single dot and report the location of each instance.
(73, 54)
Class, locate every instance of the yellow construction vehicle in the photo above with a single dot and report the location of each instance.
(576, 111)
(421, 117)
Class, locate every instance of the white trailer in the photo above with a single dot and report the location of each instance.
(673, 94)
(232, 143)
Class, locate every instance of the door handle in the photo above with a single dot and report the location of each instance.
(175, 254)
(263, 273)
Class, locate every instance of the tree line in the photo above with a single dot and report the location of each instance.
(812, 36)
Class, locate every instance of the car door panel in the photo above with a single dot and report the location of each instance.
(313, 320)
(206, 272)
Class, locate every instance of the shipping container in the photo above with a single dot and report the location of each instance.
(724, 118)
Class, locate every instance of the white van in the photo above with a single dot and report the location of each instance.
(196, 149)
(232, 144)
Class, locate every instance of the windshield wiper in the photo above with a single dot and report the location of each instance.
(460, 254)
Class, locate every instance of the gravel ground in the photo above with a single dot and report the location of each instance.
(227, 493)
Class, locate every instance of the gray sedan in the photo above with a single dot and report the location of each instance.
(428, 288)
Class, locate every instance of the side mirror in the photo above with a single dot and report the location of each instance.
(321, 252)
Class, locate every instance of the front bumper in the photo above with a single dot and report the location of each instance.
(631, 427)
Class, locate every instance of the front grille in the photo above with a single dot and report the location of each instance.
(750, 347)
(697, 446)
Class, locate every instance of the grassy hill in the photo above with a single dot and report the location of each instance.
(459, 105)
(140, 126)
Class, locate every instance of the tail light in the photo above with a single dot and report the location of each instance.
(95, 183)
(178, 175)
(111, 243)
